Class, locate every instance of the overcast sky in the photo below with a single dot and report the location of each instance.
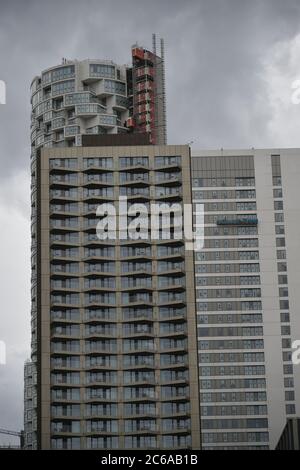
(230, 65)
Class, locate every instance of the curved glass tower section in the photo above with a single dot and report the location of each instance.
(75, 98)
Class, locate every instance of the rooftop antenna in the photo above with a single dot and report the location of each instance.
(154, 43)
(162, 55)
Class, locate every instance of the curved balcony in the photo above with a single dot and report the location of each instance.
(99, 254)
(143, 396)
(98, 179)
(99, 316)
(174, 348)
(174, 330)
(65, 368)
(134, 179)
(141, 256)
(62, 349)
(168, 164)
(63, 304)
(71, 131)
(63, 243)
(139, 333)
(62, 270)
(100, 347)
(89, 109)
(168, 193)
(171, 283)
(107, 379)
(166, 179)
(139, 315)
(98, 302)
(61, 212)
(63, 180)
(170, 268)
(137, 167)
(98, 334)
(144, 362)
(104, 365)
(176, 364)
(61, 195)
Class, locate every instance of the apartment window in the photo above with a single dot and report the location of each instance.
(278, 205)
(167, 161)
(281, 254)
(285, 317)
(102, 443)
(289, 395)
(68, 86)
(282, 267)
(103, 162)
(102, 70)
(140, 442)
(65, 443)
(279, 229)
(112, 86)
(288, 382)
(286, 343)
(277, 193)
(287, 369)
(276, 180)
(280, 242)
(290, 409)
(133, 161)
(176, 441)
(284, 304)
(63, 163)
(279, 217)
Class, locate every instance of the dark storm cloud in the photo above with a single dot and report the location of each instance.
(217, 93)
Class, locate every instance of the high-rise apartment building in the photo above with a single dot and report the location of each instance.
(115, 319)
(247, 290)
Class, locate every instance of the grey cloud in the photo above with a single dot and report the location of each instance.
(215, 93)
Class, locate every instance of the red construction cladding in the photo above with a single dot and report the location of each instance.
(144, 86)
(138, 53)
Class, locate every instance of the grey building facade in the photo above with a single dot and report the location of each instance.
(247, 291)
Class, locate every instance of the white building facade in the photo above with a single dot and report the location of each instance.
(247, 290)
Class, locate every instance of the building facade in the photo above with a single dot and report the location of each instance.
(116, 323)
(30, 405)
(247, 290)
